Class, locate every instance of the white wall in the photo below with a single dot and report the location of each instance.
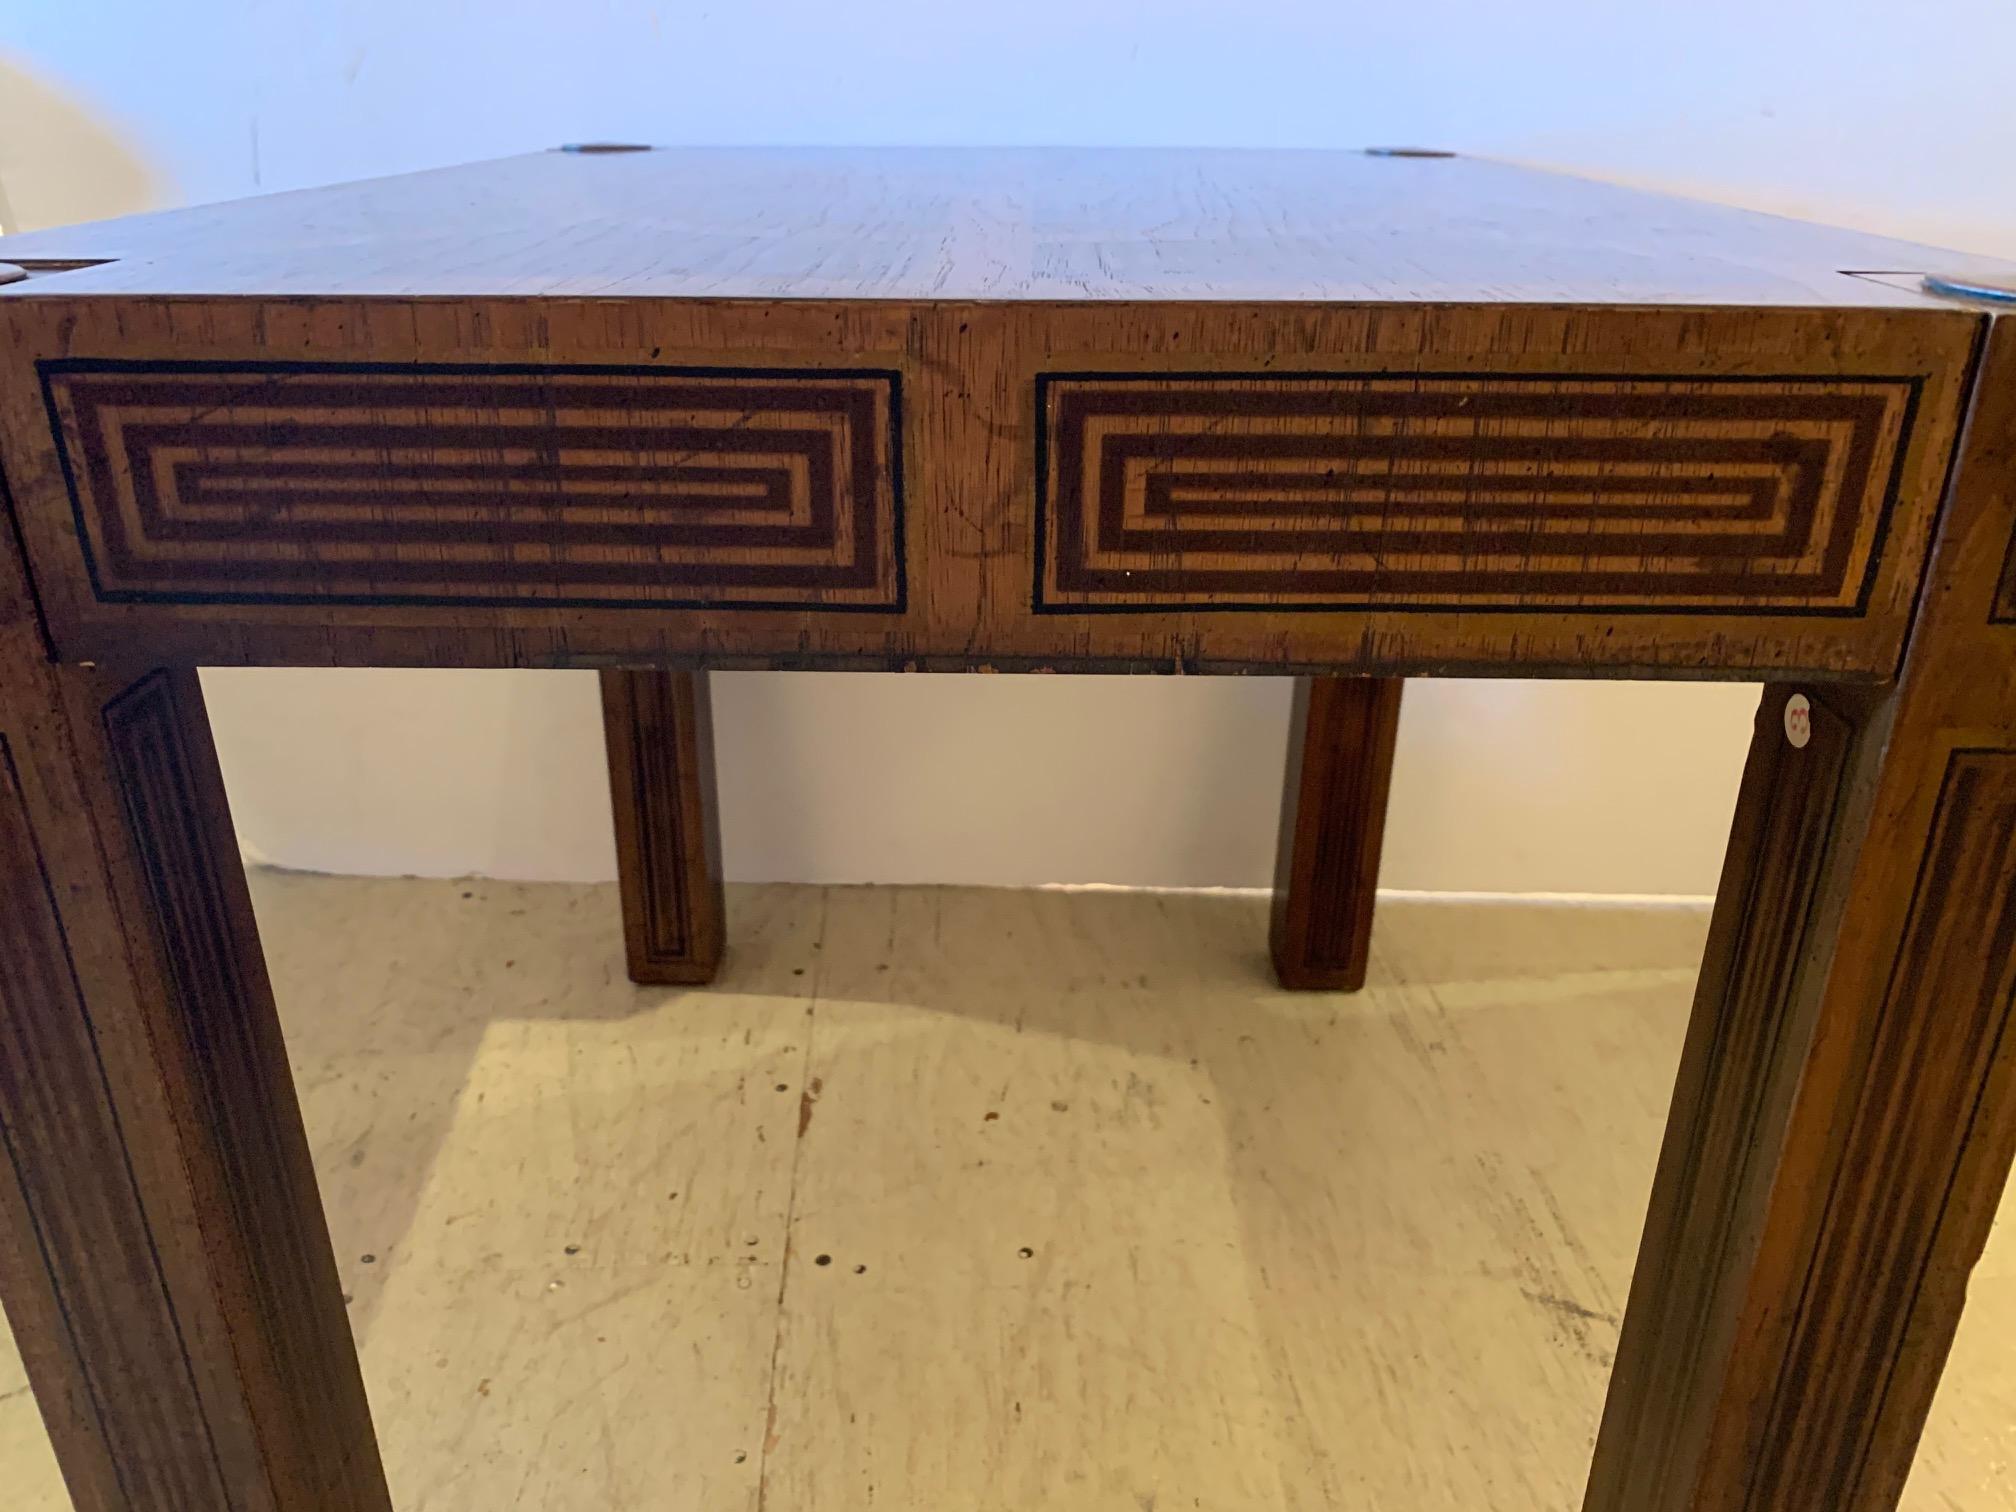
(829, 777)
(1898, 121)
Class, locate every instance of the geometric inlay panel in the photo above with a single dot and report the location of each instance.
(1464, 491)
(419, 484)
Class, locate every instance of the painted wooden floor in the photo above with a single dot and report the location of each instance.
(957, 1201)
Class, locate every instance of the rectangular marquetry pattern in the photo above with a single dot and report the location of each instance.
(567, 486)
(1339, 491)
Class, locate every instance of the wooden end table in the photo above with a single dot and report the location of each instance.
(1313, 414)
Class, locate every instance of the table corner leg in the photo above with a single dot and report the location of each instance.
(167, 1265)
(1333, 823)
(658, 727)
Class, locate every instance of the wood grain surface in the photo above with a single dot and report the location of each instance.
(911, 224)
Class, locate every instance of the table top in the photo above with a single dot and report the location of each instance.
(1198, 410)
(931, 224)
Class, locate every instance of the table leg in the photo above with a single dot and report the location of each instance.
(659, 730)
(1845, 1112)
(1333, 820)
(163, 1253)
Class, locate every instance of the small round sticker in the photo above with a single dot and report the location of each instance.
(1798, 720)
